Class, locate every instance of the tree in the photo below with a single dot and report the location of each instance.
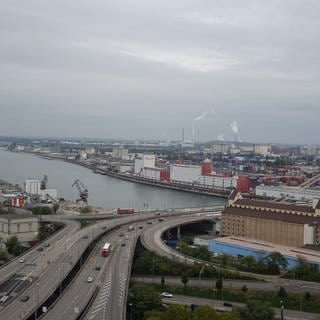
(162, 281)
(282, 293)
(205, 313)
(143, 298)
(219, 284)
(244, 289)
(11, 243)
(307, 296)
(184, 280)
(178, 312)
(276, 261)
(153, 315)
(257, 310)
(3, 255)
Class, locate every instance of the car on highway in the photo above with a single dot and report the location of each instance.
(121, 234)
(149, 222)
(227, 304)
(123, 244)
(167, 295)
(140, 227)
(160, 220)
(85, 237)
(97, 268)
(157, 213)
(22, 260)
(24, 298)
(47, 244)
(89, 279)
(40, 249)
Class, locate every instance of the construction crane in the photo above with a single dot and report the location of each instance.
(43, 185)
(83, 191)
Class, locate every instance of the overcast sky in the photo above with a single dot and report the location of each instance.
(146, 69)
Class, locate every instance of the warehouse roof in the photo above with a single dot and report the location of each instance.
(271, 215)
(274, 205)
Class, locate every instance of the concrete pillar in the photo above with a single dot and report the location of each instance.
(178, 232)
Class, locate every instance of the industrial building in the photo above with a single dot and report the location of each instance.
(279, 223)
(24, 226)
(120, 153)
(34, 187)
(220, 148)
(293, 193)
(144, 161)
(185, 173)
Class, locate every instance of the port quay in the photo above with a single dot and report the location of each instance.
(106, 191)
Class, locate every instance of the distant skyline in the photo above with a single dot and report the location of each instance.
(147, 69)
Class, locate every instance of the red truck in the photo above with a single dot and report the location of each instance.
(125, 211)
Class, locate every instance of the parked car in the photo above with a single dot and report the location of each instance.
(89, 279)
(167, 295)
(24, 298)
(21, 260)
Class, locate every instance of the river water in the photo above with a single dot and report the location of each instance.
(104, 191)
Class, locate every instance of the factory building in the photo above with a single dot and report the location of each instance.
(278, 223)
(33, 187)
(220, 148)
(144, 161)
(224, 182)
(293, 193)
(120, 153)
(263, 150)
(185, 173)
(24, 226)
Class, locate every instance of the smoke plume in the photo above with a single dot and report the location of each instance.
(202, 116)
(221, 137)
(235, 127)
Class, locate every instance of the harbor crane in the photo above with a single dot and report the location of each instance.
(83, 191)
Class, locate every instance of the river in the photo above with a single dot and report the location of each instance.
(104, 191)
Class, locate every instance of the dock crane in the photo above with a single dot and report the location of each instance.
(83, 191)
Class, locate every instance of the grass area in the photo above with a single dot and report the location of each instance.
(292, 301)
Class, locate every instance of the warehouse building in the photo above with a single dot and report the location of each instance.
(279, 223)
(24, 226)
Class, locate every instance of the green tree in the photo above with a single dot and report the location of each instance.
(162, 281)
(143, 298)
(205, 313)
(244, 289)
(307, 296)
(3, 255)
(153, 315)
(11, 243)
(219, 284)
(282, 293)
(178, 312)
(257, 310)
(276, 261)
(184, 280)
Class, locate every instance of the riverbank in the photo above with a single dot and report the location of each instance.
(178, 186)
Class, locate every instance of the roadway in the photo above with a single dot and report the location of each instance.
(290, 286)
(218, 304)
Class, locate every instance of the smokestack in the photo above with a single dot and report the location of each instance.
(193, 134)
